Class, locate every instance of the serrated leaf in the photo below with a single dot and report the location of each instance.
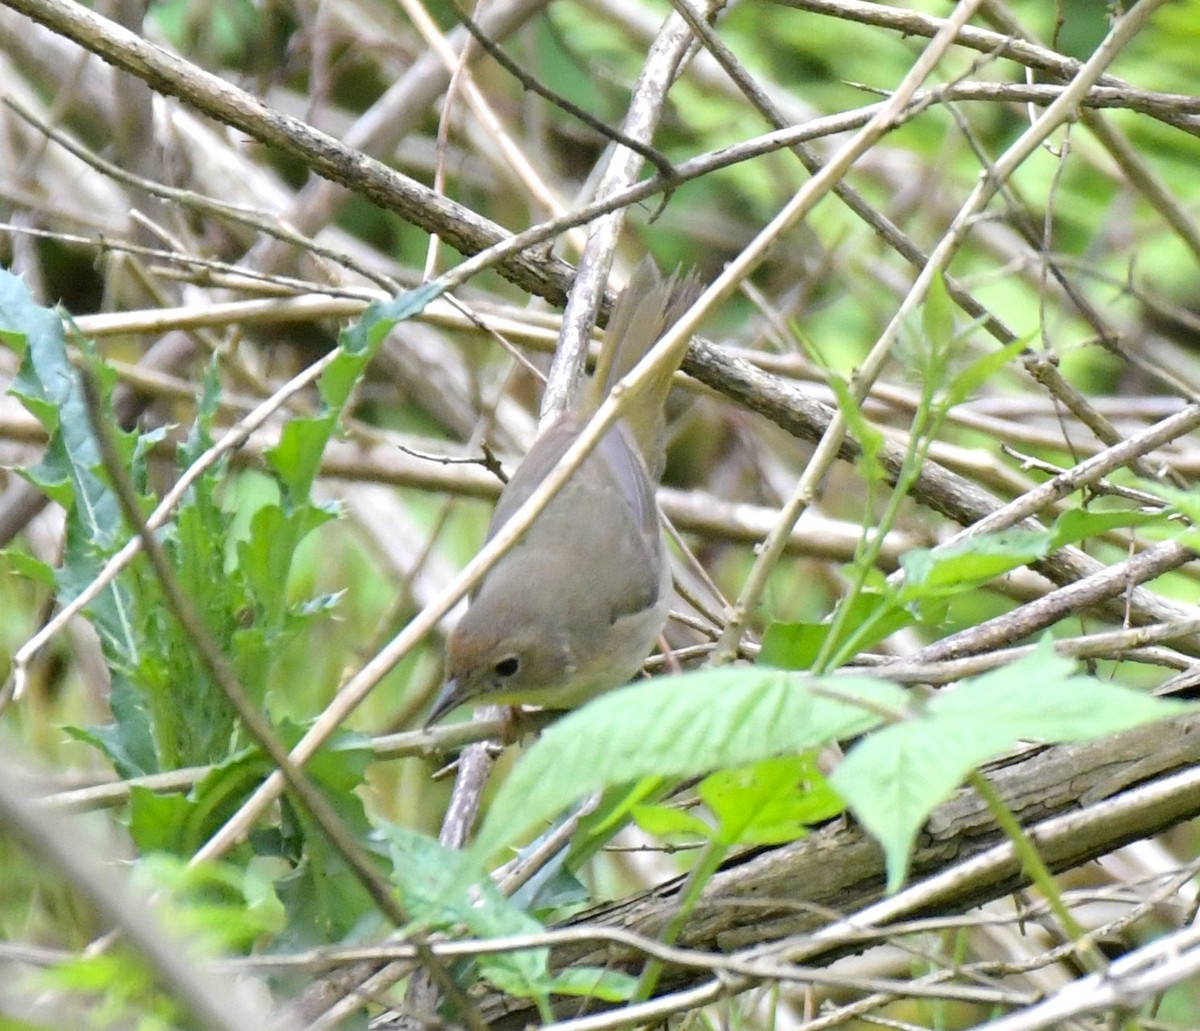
(129, 741)
(265, 557)
(48, 385)
(1041, 698)
(896, 776)
(376, 322)
(677, 727)
(43, 385)
(296, 458)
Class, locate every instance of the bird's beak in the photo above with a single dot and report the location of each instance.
(446, 701)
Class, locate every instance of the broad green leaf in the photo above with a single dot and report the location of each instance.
(792, 645)
(1041, 698)
(325, 901)
(180, 824)
(159, 823)
(297, 456)
(678, 727)
(896, 776)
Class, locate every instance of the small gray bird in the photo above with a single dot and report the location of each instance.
(574, 608)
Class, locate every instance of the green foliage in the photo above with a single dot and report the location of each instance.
(166, 712)
(895, 777)
(114, 988)
(219, 906)
(69, 471)
(678, 727)
(242, 544)
(871, 615)
(436, 885)
(766, 803)
(725, 719)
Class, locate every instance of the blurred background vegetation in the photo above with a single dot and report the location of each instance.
(1089, 256)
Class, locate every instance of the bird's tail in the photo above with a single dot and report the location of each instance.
(647, 307)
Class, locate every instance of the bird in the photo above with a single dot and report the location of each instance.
(575, 606)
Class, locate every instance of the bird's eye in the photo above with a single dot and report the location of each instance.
(507, 666)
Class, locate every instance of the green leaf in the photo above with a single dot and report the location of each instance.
(442, 888)
(1185, 501)
(616, 807)
(46, 380)
(667, 821)
(872, 617)
(29, 567)
(792, 645)
(870, 439)
(180, 824)
(967, 383)
(937, 322)
(895, 777)
(678, 727)
(940, 572)
(297, 456)
(129, 741)
(769, 802)
(220, 903)
(368, 333)
(265, 557)
(158, 823)
(1077, 524)
(69, 472)
(594, 983)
